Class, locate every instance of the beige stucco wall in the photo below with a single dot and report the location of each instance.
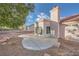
(54, 14)
(69, 28)
(55, 18)
(62, 31)
(54, 26)
(44, 24)
(41, 24)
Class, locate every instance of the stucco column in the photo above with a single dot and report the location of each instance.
(61, 33)
(35, 29)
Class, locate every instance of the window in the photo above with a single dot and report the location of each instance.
(48, 30)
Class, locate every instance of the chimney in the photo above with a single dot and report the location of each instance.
(54, 14)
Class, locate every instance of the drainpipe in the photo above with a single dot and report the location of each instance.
(58, 30)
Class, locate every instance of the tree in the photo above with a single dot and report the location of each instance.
(13, 15)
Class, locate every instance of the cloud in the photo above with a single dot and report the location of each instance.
(42, 15)
(29, 20)
(29, 17)
(37, 19)
(62, 17)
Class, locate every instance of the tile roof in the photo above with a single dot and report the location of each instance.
(70, 18)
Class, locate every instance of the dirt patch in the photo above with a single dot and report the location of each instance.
(13, 47)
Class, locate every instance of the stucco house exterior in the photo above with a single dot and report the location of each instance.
(71, 26)
(52, 26)
(55, 26)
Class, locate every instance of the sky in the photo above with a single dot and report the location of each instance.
(43, 10)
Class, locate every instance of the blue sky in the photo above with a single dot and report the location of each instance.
(66, 9)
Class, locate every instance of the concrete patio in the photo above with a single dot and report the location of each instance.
(39, 42)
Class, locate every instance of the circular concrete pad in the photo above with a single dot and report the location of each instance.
(38, 44)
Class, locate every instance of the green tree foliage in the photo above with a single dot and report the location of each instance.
(13, 15)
